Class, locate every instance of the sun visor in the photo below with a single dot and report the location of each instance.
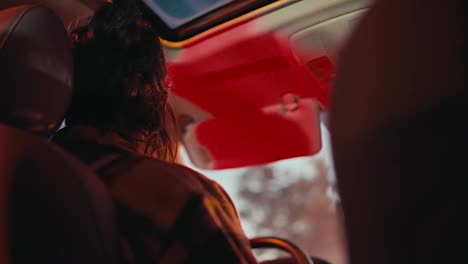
(253, 138)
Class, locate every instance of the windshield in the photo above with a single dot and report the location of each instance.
(294, 199)
(178, 12)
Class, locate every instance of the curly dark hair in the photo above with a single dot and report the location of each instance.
(119, 71)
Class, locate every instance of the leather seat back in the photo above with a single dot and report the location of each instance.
(52, 208)
(399, 135)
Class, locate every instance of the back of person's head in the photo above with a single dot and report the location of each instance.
(119, 74)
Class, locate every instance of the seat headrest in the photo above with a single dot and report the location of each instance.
(35, 69)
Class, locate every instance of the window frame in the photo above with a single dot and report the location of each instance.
(209, 20)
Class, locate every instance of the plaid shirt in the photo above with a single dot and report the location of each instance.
(167, 213)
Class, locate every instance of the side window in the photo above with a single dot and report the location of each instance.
(294, 199)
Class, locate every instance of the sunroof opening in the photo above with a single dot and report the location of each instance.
(182, 19)
(176, 13)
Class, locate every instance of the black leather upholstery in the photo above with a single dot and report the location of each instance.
(399, 133)
(36, 69)
(52, 209)
(58, 212)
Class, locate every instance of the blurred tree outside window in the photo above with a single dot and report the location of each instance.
(294, 199)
